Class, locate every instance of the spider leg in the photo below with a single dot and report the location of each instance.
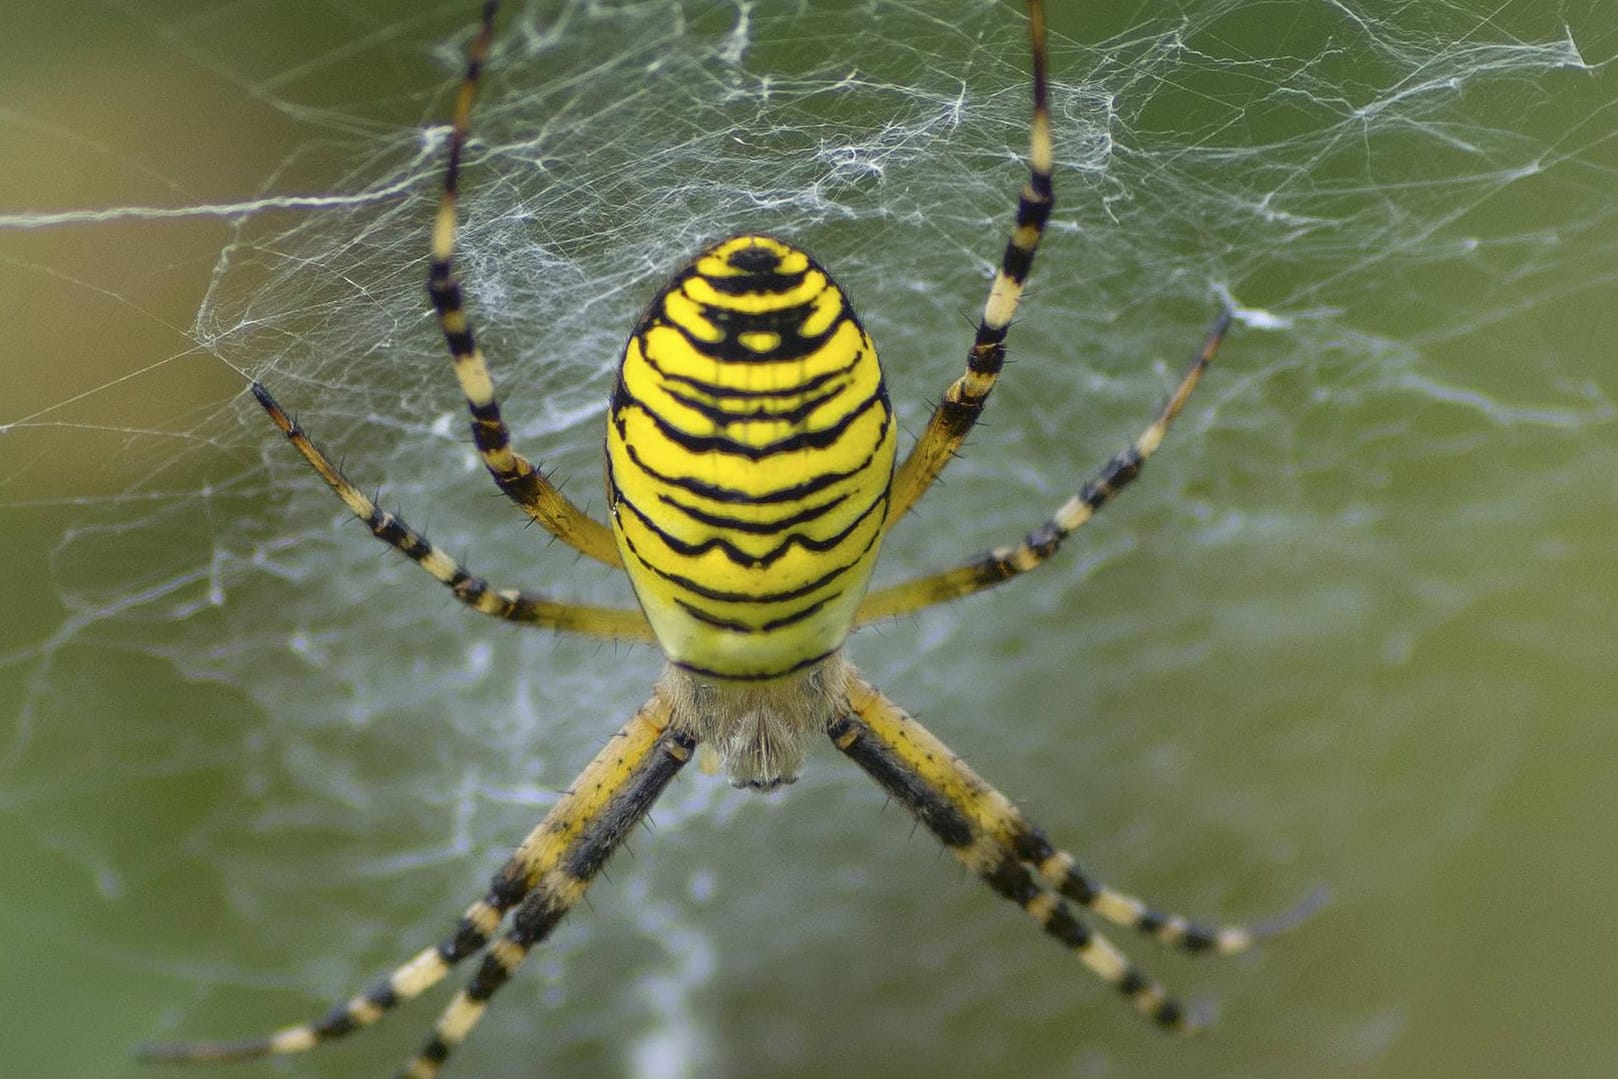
(512, 472)
(530, 608)
(543, 879)
(983, 829)
(1004, 563)
(611, 796)
(963, 402)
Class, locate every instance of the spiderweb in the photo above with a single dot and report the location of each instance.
(1386, 192)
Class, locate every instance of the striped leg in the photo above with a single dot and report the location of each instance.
(526, 607)
(986, 832)
(1004, 563)
(609, 798)
(570, 844)
(963, 402)
(520, 481)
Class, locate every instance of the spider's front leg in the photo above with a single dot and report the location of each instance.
(538, 885)
(983, 829)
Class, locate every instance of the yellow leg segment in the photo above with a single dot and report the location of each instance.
(543, 879)
(1003, 563)
(963, 402)
(611, 796)
(512, 472)
(982, 828)
(622, 624)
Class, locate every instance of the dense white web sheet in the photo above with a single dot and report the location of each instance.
(1368, 185)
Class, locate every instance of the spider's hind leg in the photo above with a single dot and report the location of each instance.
(1036, 548)
(512, 472)
(958, 410)
(529, 608)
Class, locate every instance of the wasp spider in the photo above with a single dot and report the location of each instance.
(752, 472)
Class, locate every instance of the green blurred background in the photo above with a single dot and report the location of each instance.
(1354, 628)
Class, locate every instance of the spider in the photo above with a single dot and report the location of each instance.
(752, 472)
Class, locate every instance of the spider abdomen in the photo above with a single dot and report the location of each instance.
(750, 447)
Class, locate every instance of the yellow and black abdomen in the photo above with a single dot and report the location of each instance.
(750, 447)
